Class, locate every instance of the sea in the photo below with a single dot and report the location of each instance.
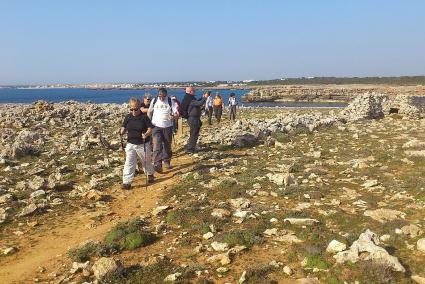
(30, 95)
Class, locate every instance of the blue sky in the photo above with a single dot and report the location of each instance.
(83, 41)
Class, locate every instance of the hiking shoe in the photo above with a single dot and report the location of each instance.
(151, 179)
(158, 169)
(126, 186)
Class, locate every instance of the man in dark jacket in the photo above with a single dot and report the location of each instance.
(192, 111)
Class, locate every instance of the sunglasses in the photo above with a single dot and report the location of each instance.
(148, 99)
(133, 109)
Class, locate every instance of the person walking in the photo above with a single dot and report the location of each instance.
(162, 111)
(209, 107)
(144, 107)
(192, 110)
(139, 129)
(232, 106)
(176, 120)
(218, 105)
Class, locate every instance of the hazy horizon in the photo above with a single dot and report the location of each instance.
(81, 42)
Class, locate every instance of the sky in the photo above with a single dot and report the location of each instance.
(89, 41)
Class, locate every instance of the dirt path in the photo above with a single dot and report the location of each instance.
(49, 248)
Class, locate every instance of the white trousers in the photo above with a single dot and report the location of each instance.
(131, 153)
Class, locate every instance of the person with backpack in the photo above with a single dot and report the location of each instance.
(209, 107)
(218, 105)
(192, 111)
(232, 106)
(162, 112)
(139, 129)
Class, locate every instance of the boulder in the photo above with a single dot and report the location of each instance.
(104, 266)
(367, 248)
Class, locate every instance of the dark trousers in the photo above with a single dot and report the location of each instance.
(232, 112)
(161, 140)
(195, 126)
(210, 114)
(218, 111)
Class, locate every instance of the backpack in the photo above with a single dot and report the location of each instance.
(218, 102)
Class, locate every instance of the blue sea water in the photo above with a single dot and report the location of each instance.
(17, 95)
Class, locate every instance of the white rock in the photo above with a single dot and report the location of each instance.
(242, 279)
(207, 236)
(160, 209)
(287, 270)
(270, 232)
(104, 266)
(420, 244)
(173, 277)
(217, 246)
(335, 246)
(9, 250)
(418, 279)
(368, 242)
(301, 221)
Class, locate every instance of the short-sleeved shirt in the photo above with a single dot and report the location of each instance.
(136, 126)
(161, 116)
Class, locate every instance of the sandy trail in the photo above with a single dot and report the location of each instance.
(48, 249)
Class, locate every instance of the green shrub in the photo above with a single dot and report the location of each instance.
(83, 253)
(130, 235)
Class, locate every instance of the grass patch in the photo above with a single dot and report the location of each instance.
(244, 238)
(153, 273)
(90, 249)
(130, 235)
(316, 261)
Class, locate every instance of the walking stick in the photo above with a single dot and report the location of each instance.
(145, 160)
(122, 145)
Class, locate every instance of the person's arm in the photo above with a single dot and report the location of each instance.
(149, 128)
(147, 133)
(150, 110)
(144, 109)
(199, 102)
(123, 127)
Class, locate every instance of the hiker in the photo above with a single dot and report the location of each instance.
(162, 112)
(192, 110)
(232, 106)
(139, 129)
(209, 107)
(218, 105)
(176, 120)
(144, 107)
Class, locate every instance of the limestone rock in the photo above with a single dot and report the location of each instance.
(420, 244)
(384, 215)
(335, 246)
(368, 242)
(301, 221)
(104, 266)
(220, 213)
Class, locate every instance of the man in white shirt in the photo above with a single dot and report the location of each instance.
(162, 112)
(209, 107)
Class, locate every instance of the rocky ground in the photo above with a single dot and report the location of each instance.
(278, 196)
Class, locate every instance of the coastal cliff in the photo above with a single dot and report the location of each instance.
(328, 93)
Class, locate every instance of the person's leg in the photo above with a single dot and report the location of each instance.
(157, 147)
(130, 164)
(219, 114)
(209, 116)
(192, 127)
(234, 112)
(216, 113)
(167, 134)
(147, 163)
